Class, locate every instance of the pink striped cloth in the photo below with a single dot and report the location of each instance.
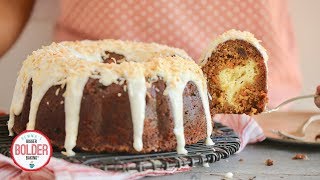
(61, 169)
(246, 127)
(191, 25)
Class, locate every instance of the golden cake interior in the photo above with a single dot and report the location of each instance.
(236, 74)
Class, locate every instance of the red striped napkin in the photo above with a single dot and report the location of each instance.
(246, 127)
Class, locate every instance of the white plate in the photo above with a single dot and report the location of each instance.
(289, 122)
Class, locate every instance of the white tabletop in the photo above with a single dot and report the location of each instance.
(253, 164)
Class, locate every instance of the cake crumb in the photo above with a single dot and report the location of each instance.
(300, 157)
(252, 178)
(48, 103)
(205, 165)
(269, 162)
(119, 94)
(61, 102)
(228, 175)
(240, 160)
(317, 137)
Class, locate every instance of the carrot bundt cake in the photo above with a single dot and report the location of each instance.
(112, 96)
(236, 71)
(116, 96)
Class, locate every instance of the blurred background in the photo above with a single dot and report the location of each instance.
(39, 30)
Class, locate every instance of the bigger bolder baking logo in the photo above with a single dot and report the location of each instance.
(31, 150)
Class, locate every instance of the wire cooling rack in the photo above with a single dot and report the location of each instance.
(226, 144)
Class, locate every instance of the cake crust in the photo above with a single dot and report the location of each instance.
(105, 118)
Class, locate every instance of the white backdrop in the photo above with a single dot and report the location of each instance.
(38, 32)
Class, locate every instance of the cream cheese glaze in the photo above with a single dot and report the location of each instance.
(73, 63)
(233, 35)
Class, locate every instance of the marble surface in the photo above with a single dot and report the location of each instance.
(253, 165)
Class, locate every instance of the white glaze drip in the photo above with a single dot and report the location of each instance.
(11, 123)
(18, 99)
(137, 96)
(205, 102)
(41, 82)
(72, 106)
(38, 91)
(176, 99)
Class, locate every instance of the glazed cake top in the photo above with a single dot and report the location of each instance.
(233, 35)
(93, 50)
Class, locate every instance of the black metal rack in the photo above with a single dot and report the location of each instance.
(226, 144)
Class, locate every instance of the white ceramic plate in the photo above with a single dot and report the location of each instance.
(289, 122)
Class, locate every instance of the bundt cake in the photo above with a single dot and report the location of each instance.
(236, 71)
(116, 96)
(112, 96)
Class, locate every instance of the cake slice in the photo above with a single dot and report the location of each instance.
(236, 71)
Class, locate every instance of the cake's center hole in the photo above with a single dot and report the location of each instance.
(232, 79)
(111, 57)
